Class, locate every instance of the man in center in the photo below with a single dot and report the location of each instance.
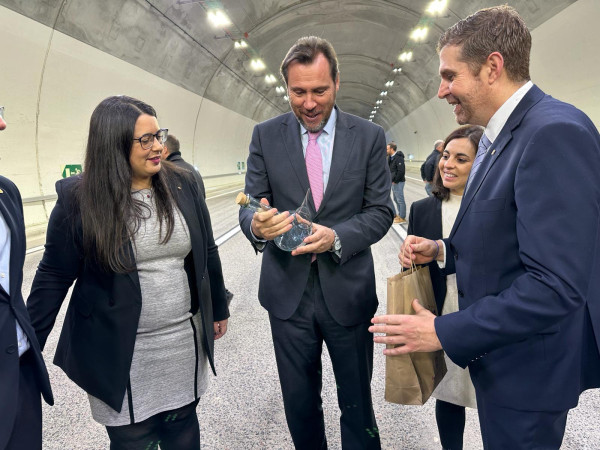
(323, 291)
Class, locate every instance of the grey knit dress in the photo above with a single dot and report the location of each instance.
(169, 367)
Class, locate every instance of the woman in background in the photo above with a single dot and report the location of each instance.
(149, 299)
(433, 218)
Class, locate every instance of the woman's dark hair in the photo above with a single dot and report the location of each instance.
(110, 217)
(471, 132)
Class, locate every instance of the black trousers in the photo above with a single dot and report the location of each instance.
(450, 420)
(298, 344)
(27, 429)
(177, 429)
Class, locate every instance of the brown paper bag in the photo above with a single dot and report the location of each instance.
(410, 379)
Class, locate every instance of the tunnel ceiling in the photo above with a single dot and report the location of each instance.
(174, 40)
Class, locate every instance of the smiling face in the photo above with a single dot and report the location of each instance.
(455, 164)
(144, 163)
(467, 92)
(312, 92)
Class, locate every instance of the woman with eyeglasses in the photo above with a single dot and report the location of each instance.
(134, 235)
(433, 217)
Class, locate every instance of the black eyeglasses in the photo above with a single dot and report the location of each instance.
(147, 140)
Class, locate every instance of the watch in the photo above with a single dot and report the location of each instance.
(337, 244)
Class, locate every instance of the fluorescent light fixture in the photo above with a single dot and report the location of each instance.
(379, 102)
(436, 6)
(280, 90)
(383, 93)
(286, 98)
(389, 83)
(418, 34)
(240, 44)
(405, 56)
(397, 70)
(270, 79)
(218, 18)
(257, 64)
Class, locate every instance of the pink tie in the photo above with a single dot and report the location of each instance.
(314, 168)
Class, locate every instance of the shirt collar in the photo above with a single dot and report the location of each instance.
(329, 126)
(500, 117)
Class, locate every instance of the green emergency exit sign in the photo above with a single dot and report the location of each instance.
(71, 169)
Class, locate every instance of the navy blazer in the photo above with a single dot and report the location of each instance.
(425, 220)
(12, 310)
(356, 205)
(526, 249)
(96, 343)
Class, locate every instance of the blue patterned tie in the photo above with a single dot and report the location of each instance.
(484, 144)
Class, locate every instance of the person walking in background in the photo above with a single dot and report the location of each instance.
(23, 374)
(526, 254)
(323, 291)
(397, 171)
(429, 167)
(172, 153)
(149, 300)
(433, 218)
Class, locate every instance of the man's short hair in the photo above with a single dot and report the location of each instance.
(437, 143)
(172, 143)
(393, 146)
(305, 51)
(498, 29)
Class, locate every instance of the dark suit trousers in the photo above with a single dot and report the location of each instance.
(27, 429)
(511, 429)
(298, 343)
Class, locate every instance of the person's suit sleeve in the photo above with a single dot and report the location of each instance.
(215, 270)
(370, 224)
(200, 183)
(56, 272)
(556, 233)
(257, 181)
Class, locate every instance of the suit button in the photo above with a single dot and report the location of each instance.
(11, 349)
(455, 255)
(460, 293)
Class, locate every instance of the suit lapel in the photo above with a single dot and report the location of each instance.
(17, 250)
(290, 131)
(342, 148)
(500, 144)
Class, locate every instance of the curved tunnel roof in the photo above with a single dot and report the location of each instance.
(174, 40)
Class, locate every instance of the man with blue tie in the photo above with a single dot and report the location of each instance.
(526, 253)
(23, 373)
(323, 291)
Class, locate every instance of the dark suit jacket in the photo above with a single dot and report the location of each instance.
(426, 220)
(356, 205)
(98, 336)
(12, 310)
(526, 248)
(176, 159)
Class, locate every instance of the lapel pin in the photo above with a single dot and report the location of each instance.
(179, 187)
(1, 191)
(493, 151)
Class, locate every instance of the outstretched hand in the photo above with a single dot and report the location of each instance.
(419, 250)
(412, 333)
